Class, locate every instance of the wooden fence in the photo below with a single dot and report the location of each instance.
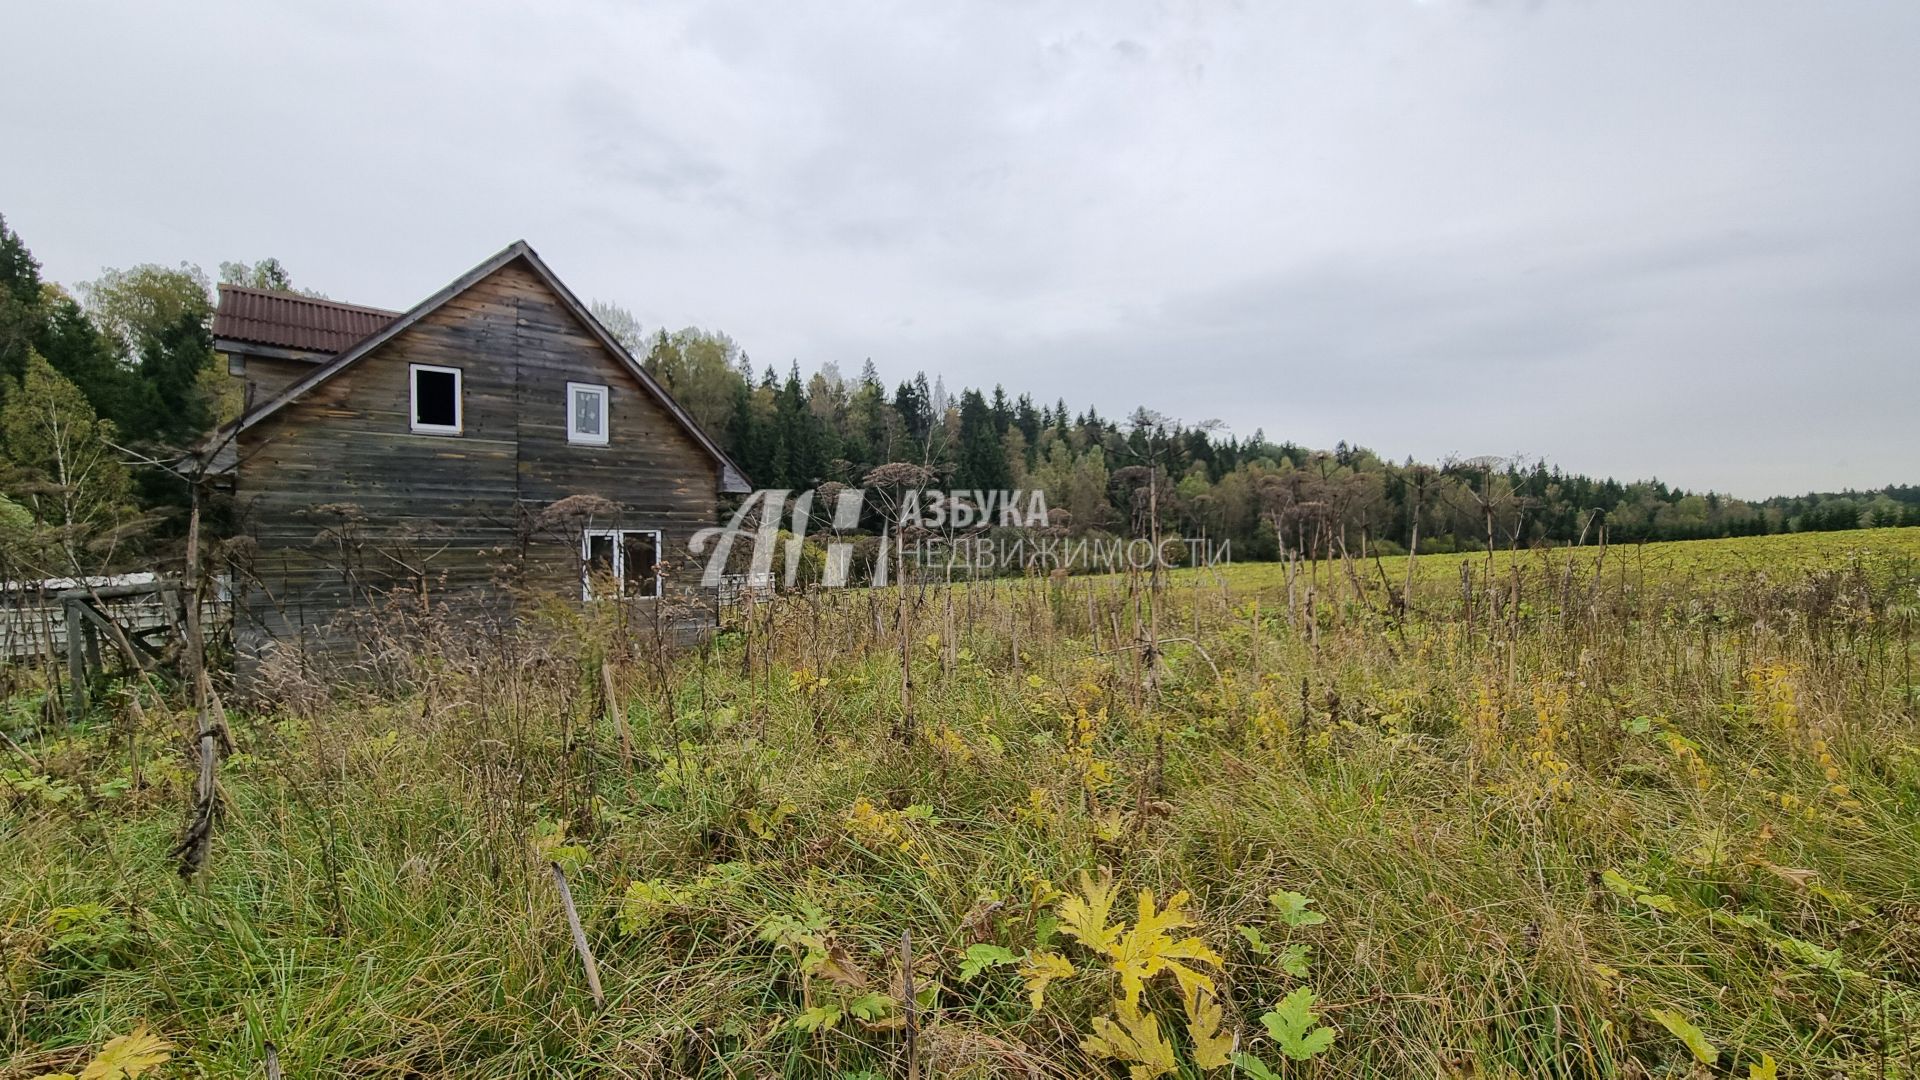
(64, 619)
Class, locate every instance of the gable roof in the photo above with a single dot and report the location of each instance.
(731, 478)
(291, 321)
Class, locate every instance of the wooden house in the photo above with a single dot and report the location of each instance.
(490, 448)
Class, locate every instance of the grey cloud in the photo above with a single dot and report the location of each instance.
(1632, 237)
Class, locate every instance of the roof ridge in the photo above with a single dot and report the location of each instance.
(294, 297)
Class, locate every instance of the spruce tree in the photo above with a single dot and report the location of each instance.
(982, 461)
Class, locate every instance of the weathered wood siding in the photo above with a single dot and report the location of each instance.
(345, 503)
(661, 478)
(266, 376)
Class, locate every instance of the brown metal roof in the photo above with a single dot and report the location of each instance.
(292, 321)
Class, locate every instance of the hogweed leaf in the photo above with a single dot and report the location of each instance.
(1293, 908)
(871, 1006)
(818, 1018)
(1039, 970)
(1148, 949)
(793, 930)
(1620, 885)
(1806, 952)
(1292, 1025)
(835, 965)
(1192, 982)
(1134, 1038)
(1254, 1067)
(1212, 1047)
(1293, 960)
(1714, 849)
(1254, 942)
(981, 957)
(644, 902)
(126, 1057)
(1046, 929)
(1683, 1029)
(1109, 825)
(1631, 891)
(1083, 916)
(1767, 1069)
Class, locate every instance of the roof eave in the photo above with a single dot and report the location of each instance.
(237, 347)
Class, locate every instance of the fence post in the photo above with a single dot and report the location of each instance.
(70, 621)
(579, 937)
(909, 1013)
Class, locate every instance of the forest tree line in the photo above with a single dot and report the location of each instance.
(797, 431)
(100, 382)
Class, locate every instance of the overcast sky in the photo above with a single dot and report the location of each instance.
(1635, 238)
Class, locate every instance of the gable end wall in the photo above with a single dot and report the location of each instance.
(346, 504)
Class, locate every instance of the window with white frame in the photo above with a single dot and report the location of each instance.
(435, 399)
(627, 560)
(587, 413)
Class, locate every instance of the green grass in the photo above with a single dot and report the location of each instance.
(1451, 786)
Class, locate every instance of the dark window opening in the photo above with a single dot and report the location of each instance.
(436, 398)
(641, 556)
(619, 562)
(600, 555)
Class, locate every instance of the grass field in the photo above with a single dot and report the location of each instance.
(1652, 812)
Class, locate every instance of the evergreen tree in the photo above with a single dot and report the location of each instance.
(19, 304)
(74, 347)
(914, 402)
(982, 463)
(161, 318)
(800, 434)
(1029, 423)
(746, 441)
(1002, 411)
(40, 317)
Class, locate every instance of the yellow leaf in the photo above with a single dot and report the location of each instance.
(1703, 1051)
(1793, 876)
(126, 1057)
(1768, 1069)
(1083, 917)
(838, 967)
(1148, 949)
(1040, 969)
(1212, 1047)
(1134, 1039)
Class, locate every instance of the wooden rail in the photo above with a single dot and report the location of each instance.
(83, 625)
